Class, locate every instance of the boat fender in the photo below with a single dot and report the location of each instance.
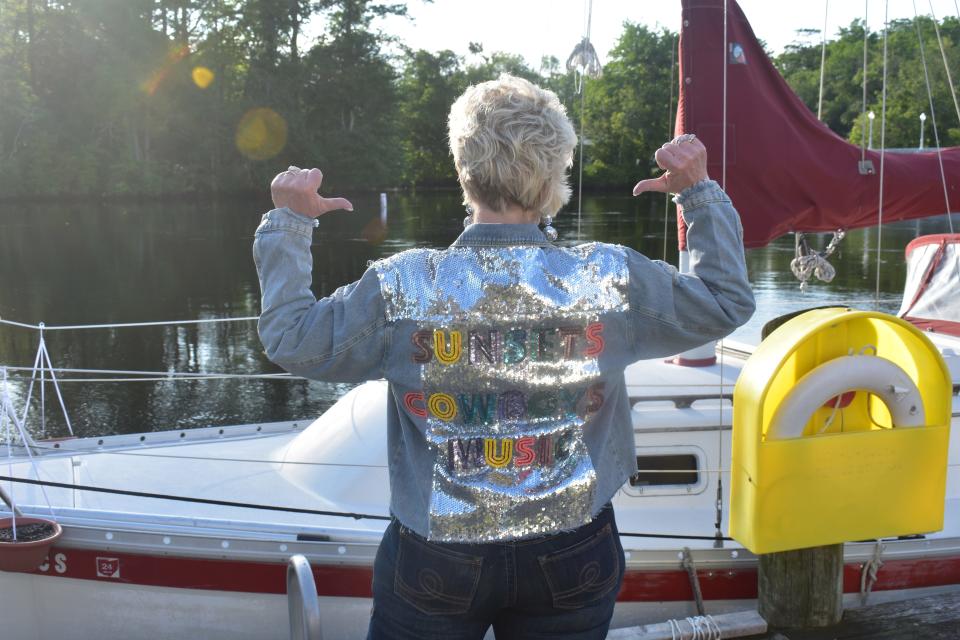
(870, 373)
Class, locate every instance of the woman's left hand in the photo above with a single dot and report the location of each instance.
(297, 189)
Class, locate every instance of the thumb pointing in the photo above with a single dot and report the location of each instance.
(652, 184)
(333, 204)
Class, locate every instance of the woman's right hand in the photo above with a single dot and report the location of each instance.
(297, 189)
(684, 161)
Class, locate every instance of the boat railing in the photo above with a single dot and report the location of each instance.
(683, 400)
(302, 601)
(42, 371)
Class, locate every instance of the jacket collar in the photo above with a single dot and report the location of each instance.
(501, 235)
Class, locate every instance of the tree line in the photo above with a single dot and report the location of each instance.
(166, 97)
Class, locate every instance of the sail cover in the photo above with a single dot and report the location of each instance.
(930, 298)
(786, 170)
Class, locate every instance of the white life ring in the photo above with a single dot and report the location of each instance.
(879, 376)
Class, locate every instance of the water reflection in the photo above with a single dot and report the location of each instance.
(187, 260)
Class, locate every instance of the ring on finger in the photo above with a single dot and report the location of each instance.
(684, 137)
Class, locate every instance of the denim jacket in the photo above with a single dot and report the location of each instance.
(508, 415)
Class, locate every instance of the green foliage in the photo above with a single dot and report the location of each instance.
(98, 97)
(907, 95)
(428, 86)
(628, 107)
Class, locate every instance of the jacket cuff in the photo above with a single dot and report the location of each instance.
(702, 193)
(287, 220)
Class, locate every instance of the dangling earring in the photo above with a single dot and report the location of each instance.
(548, 230)
(469, 219)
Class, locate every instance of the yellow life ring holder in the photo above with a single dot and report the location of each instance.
(876, 375)
(793, 488)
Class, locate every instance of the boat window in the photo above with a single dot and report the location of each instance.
(661, 470)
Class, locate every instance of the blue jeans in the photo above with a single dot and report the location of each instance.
(558, 586)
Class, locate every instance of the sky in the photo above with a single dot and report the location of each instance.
(534, 28)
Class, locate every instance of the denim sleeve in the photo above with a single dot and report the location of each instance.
(672, 312)
(340, 338)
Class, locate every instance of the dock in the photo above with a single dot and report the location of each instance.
(934, 617)
(930, 618)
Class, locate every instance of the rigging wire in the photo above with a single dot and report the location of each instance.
(863, 107)
(823, 57)
(580, 163)
(7, 407)
(670, 131)
(953, 94)
(162, 375)
(883, 149)
(723, 149)
(269, 507)
(718, 534)
(933, 114)
(583, 62)
(180, 378)
(943, 54)
(123, 325)
(175, 498)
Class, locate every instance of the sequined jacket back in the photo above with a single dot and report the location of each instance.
(508, 412)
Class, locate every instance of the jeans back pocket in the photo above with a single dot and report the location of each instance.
(583, 574)
(434, 580)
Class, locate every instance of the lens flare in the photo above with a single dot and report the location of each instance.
(202, 77)
(261, 133)
(174, 56)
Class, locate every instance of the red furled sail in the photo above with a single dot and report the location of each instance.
(786, 170)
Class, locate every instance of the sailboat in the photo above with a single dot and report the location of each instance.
(188, 533)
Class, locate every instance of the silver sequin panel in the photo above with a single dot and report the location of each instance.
(507, 432)
(503, 284)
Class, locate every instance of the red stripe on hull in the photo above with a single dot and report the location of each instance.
(202, 573)
(355, 581)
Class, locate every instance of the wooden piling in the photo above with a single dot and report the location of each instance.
(801, 589)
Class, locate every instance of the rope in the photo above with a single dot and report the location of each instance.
(691, 568)
(123, 325)
(807, 263)
(675, 632)
(933, 113)
(701, 628)
(833, 414)
(868, 576)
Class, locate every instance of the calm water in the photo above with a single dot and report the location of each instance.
(96, 264)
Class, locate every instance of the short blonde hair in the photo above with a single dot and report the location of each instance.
(512, 143)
